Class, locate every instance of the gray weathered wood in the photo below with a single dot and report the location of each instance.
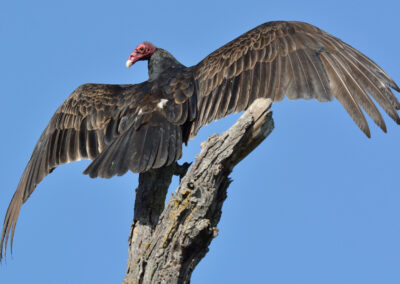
(167, 244)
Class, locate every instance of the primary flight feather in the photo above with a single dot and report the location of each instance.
(142, 127)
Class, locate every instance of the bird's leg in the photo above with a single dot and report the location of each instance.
(180, 170)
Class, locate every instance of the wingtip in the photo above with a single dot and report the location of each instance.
(367, 132)
(3, 248)
(2, 251)
(383, 127)
(395, 86)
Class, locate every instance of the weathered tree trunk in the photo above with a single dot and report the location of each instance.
(167, 244)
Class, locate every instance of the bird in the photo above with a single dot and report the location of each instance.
(139, 127)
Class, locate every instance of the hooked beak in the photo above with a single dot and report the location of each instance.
(129, 63)
(133, 58)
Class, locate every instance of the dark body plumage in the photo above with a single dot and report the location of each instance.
(140, 127)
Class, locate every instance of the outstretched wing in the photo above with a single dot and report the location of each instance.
(296, 59)
(120, 127)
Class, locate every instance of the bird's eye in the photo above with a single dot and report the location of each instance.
(141, 49)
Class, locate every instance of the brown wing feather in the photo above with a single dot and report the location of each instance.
(296, 59)
(75, 131)
(120, 127)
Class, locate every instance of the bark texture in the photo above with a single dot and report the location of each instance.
(167, 243)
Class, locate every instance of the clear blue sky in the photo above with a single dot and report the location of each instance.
(317, 202)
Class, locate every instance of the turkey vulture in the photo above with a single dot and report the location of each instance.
(142, 127)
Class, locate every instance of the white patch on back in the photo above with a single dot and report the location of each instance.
(162, 103)
(140, 112)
